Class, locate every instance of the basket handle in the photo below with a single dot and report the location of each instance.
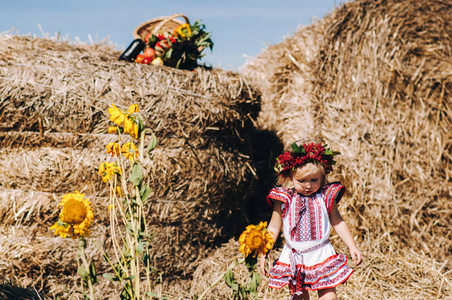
(167, 19)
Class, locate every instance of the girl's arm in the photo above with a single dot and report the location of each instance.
(273, 228)
(344, 233)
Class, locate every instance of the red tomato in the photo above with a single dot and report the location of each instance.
(149, 52)
(139, 58)
(146, 60)
(147, 37)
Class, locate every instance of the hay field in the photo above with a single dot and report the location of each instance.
(373, 79)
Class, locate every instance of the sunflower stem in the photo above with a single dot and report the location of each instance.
(82, 247)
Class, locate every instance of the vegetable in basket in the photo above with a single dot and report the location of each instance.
(182, 47)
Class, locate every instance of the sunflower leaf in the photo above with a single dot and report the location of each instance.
(140, 247)
(146, 235)
(152, 143)
(129, 229)
(82, 272)
(146, 259)
(230, 280)
(152, 294)
(145, 192)
(139, 120)
(136, 176)
(255, 280)
(92, 273)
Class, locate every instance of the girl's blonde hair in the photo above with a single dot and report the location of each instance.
(284, 180)
(300, 172)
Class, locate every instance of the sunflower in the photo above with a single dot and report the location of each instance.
(75, 217)
(113, 149)
(133, 109)
(130, 127)
(256, 239)
(130, 151)
(113, 129)
(117, 115)
(107, 170)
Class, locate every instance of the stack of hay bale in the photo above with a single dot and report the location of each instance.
(373, 79)
(53, 122)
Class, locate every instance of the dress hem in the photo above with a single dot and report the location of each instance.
(322, 288)
(312, 282)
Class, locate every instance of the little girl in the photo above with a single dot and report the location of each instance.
(308, 261)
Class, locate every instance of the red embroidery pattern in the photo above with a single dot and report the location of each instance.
(334, 192)
(313, 273)
(326, 282)
(280, 194)
(305, 218)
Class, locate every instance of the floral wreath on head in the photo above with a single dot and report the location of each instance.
(303, 154)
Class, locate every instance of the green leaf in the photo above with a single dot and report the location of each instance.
(152, 143)
(169, 53)
(145, 192)
(146, 259)
(278, 166)
(146, 235)
(60, 223)
(129, 228)
(243, 293)
(92, 273)
(230, 280)
(136, 176)
(152, 294)
(139, 120)
(140, 247)
(255, 280)
(82, 272)
(297, 149)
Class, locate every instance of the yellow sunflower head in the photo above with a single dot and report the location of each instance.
(130, 151)
(75, 217)
(113, 149)
(107, 170)
(116, 115)
(133, 109)
(256, 240)
(130, 127)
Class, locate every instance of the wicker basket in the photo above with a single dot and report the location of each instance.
(161, 24)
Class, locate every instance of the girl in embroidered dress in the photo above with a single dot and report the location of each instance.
(306, 212)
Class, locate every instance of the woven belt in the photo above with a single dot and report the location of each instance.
(298, 275)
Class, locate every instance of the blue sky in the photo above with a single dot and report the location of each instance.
(240, 29)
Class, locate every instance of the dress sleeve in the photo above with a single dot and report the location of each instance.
(333, 191)
(280, 194)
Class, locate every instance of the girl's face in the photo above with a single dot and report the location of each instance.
(307, 180)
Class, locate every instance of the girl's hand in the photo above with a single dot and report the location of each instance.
(356, 255)
(262, 259)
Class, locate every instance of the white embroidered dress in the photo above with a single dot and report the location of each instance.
(308, 261)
